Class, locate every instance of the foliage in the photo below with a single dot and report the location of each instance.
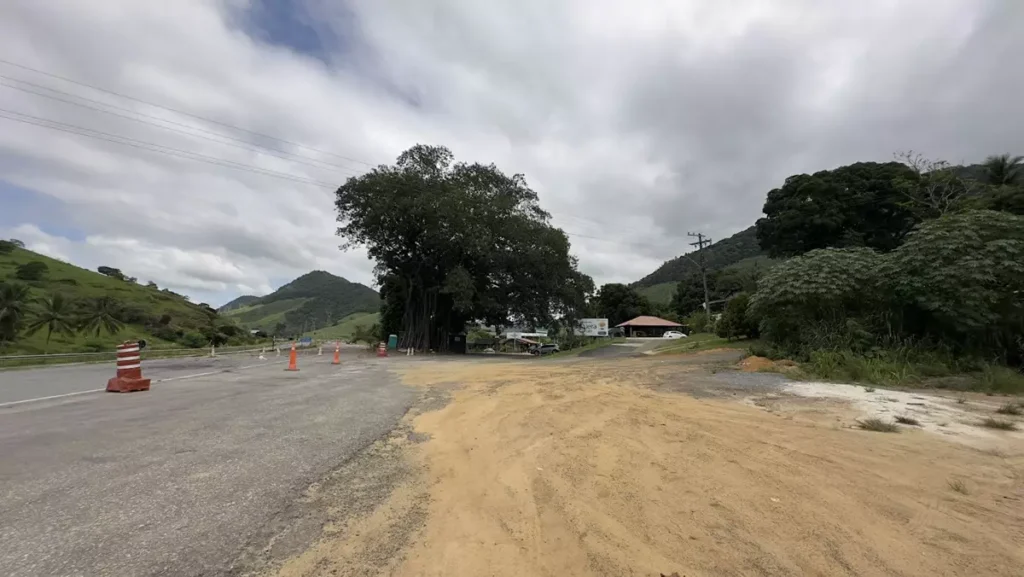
(456, 242)
(862, 204)
(242, 301)
(159, 316)
(369, 334)
(821, 299)
(101, 314)
(936, 187)
(737, 321)
(56, 316)
(726, 252)
(346, 328)
(961, 278)
(1004, 170)
(689, 295)
(658, 294)
(619, 303)
(194, 340)
(31, 271)
(17, 243)
(952, 288)
(698, 322)
(111, 272)
(14, 304)
(7, 247)
(1000, 424)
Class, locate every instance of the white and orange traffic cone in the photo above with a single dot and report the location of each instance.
(129, 370)
(337, 355)
(293, 364)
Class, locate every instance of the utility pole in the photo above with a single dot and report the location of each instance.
(701, 242)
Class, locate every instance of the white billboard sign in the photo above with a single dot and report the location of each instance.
(594, 327)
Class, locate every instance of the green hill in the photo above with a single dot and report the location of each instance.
(347, 327)
(660, 293)
(162, 317)
(719, 255)
(315, 299)
(238, 303)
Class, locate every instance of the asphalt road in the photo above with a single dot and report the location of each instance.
(177, 480)
(19, 385)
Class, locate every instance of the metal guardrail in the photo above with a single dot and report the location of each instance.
(10, 361)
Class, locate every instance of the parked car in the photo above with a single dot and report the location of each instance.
(673, 335)
(545, 349)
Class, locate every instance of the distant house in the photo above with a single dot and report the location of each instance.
(644, 326)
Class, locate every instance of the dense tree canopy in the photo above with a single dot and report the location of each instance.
(456, 242)
(618, 303)
(863, 204)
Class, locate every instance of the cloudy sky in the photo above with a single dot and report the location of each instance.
(636, 121)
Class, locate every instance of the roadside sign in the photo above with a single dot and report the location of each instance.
(594, 327)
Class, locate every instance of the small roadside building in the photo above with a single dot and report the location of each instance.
(644, 326)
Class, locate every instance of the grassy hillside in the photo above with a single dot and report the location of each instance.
(238, 303)
(660, 293)
(347, 327)
(317, 298)
(719, 255)
(150, 313)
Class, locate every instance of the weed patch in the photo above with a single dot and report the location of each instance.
(999, 424)
(908, 421)
(878, 425)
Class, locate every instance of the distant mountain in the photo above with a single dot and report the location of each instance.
(719, 255)
(238, 303)
(315, 299)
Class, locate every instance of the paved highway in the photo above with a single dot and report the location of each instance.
(179, 479)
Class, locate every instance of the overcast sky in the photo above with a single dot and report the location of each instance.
(636, 121)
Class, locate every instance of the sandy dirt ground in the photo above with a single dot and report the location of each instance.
(649, 467)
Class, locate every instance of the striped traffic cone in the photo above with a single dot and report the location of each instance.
(293, 364)
(129, 370)
(337, 355)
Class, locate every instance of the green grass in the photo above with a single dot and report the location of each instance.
(702, 341)
(660, 293)
(910, 368)
(597, 344)
(78, 284)
(347, 327)
(878, 425)
(265, 316)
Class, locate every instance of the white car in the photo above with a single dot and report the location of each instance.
(673, 335)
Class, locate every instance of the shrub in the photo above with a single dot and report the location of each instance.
(34, 270)
(737, 321)
(999, 424)
(1010, 409)
(193, 340)
(878, 425)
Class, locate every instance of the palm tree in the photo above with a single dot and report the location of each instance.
(14, 303)
(55, 316)
(1004, 169)
(101, 314)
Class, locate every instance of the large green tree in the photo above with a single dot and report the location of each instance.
(863, 204)
(455, 242)
(14, 308)
(1004, 170)
(56, 316)
(101, 314)
(618, 303)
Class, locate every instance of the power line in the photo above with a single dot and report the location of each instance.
(245, 145)
(178, 111)
(158, 148)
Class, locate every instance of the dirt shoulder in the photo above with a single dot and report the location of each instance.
(611, 468)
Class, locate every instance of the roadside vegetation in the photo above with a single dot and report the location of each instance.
(49, 306)
(914, 277)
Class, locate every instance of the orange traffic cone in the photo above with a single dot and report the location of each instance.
(337, 355)
(292, 360)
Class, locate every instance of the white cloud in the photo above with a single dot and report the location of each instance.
(636, 121)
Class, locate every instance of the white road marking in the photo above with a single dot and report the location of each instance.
(9, 403)
(12, 403)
